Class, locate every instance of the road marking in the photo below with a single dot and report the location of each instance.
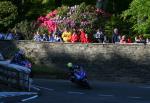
(13, 94)
(30, 98)
(17, 93)
(104, 95)
(49, 89)
(70, 92)
(36, 88)
(135, 97)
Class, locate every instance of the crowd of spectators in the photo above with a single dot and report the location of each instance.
(77, 36)
(80, 35)
(63, 36)
(10, 35)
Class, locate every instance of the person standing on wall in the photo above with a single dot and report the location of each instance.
(116, 36)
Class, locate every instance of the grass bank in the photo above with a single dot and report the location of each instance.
(43, 71)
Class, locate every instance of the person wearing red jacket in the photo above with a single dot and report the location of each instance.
(123, 40)
(75, 37)
(83, 36)
(129, 40)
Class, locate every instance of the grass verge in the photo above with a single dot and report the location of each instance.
(43, 71)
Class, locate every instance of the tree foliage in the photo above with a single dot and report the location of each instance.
(8, 13)
(139, 14)
(25, 29)
(112, 6)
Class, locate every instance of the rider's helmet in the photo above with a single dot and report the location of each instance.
(69, 65)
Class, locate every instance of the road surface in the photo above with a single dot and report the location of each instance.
(61, 91)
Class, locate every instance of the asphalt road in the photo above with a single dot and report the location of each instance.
(61, 91)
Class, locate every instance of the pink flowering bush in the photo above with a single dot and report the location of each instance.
(52, 14)
(49, 24)
(78, 16)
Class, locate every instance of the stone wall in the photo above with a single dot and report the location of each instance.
(119, 62)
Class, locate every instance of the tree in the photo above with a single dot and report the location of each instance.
(8, 13)
(117, 6)
(139, 14)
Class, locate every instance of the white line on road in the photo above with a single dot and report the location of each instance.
(135, 97)
(70, 92)
(104, 95)
(36, 88)
(17, 93)
(12, 94)
(30, 98)
(49, 89)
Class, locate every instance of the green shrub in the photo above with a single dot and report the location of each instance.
(25, 28)
(85, 16)
(76, 2)
(79, 16)
(146, 36)
(139, 14)
(62, 11)
(43, 30)
(43, 71)
(117, 22)
(8, 14)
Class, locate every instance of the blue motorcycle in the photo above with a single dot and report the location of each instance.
(79, 77)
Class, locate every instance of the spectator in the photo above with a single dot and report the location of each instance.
(9, 36)
(45, 37)
(123, 39)
(57, 32)
(17, 36)
(148, 40)
(75, 37)
(137, 40)
(37, 37)
(99, 36)
(18, 57)
(66, 36)
(2, 36)
(83, 36)
(116, 36)
(57, 38)
(140, 39)
(51, 38)
(129, 40)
